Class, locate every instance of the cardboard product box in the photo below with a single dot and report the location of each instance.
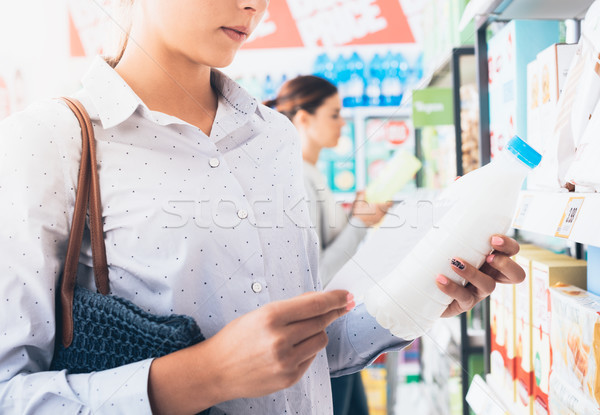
(523, 328)
(552, 67)
(502, 361)
(534, 100)
(553, 64)
(544, 274)
(498, 337)
(375, 383)
(566, 400)
(576, 339)
(509, 52)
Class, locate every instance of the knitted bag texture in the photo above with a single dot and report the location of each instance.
(109, 331)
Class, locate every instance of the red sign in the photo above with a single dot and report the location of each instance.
(310, 23)
(398, 132)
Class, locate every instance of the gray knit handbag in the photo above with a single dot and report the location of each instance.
(95, 330)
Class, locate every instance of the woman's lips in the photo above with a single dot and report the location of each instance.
(236, 34)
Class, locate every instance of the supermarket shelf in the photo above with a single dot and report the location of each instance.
(440, 75)
(476, 337)
(545, 213)
(344, 197)
(484, 399)
(376, 112)
(490, 10)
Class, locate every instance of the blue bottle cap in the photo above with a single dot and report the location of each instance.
(524, 152)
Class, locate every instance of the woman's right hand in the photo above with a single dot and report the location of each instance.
(259, 353)
(369, 213)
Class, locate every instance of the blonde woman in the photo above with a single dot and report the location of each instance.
(202, 196)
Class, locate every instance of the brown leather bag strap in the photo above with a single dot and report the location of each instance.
(87, 180)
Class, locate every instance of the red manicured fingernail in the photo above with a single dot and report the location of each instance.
(349, 297)
(350, 306)
(442, 280)
(490, 258)
(457, 263)
(496, 240)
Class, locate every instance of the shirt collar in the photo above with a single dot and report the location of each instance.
(115, 101)
(112, 97)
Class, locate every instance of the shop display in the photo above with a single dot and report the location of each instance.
(384, 137)
(469, 124)
(407, 301)
(374, 381)
(567, 400)
(502, 350)
(583, 173)
(379, 81)
(544, 274)
(547, 75)
(523, 328)
(438, 153)
(396, 173)
(576, 344)
(509, 52)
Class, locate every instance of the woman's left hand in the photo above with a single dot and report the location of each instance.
(498, 268)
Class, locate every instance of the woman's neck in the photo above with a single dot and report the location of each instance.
(180, 89)
(310, 151)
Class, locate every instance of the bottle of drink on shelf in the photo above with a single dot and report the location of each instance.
(341, 73)
(407, 301)
(374, 79)
(391, 87)
(355, 87)
(269, 88)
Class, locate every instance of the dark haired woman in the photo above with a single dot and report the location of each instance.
(314, 105)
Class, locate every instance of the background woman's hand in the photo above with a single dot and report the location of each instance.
(369, 213)
(259, 353)
(498, 268)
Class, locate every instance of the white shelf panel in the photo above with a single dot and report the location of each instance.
(529, 9)
(544, 212)
(379, 112)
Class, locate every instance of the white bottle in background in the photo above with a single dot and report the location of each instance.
(408, 301)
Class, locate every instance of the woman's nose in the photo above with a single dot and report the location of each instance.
(258, 6)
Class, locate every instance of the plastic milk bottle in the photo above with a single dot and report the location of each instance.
(407, 301)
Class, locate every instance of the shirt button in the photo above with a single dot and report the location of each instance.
(242, 214)
(257, 287)
(214, 162)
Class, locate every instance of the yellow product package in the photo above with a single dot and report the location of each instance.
(575, 339)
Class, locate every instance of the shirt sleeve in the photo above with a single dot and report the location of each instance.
(356, 340)
(40, 150)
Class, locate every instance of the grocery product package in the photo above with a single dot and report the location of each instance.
(576, 339)
(509, 52)
(566, 400)
(575, 106)
(534, 136)
(584, 171)
(545, 273)
(502, 327)
(524, 398)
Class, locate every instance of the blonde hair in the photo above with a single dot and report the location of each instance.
(122, 22)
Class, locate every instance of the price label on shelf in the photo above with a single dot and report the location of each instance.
(569, 217)
(521, 214)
